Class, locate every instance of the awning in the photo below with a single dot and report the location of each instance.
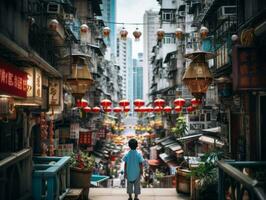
(157, 141)
(172, 163)
(178, 152)
(175, 146)
(169, 141)
(213, 130)
(158, 147)
(190, 137)
(165, 157)
(210, 140)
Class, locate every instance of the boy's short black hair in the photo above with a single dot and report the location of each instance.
(133, 144)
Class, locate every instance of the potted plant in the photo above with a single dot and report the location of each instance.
(180, 128)
(207, 176)
(80, 171)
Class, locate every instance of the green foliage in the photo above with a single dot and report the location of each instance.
(159, 174)
(82, 160)
(180, 128)
(206, 172)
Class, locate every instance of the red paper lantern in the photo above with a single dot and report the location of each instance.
(159, 102)
(117, 109)
(167, 109)
(106, 103)
(126, 109)
(137, 34)
(179, 102)
(158, 109)
(204, 32)
(179, 33)
(84, 28)
(53, 24)
(96, 109)
(160, 34)
(124, 103)
(143, 109)
(195, 102)
(123, 34)
(82, 103)
(106, 31)
(178, 109)
(149, 109)
(107, 109)
(137, 109)
(87, 109)
(139, 102)
(190, 109)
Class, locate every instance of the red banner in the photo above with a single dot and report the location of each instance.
(12, 80)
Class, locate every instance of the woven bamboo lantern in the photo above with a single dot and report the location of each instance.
(197, 76)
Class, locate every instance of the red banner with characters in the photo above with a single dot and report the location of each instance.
(12, 80)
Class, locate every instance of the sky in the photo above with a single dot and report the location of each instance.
(129, 11)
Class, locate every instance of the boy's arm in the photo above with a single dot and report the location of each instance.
(141, 169)
(125, 169)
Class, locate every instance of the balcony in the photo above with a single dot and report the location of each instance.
(50, 178)
(242, 180)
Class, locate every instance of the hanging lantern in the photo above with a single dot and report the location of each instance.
(53, 24)
(82, 103)
(137, 34)
(204, 32)
(126, 109)
(143, 109)
(87, 109)
(149, 109)
(197, 76)
(107, 109)
(117, 109)
(84, 28)
(96, 109)
(137, 109)
(159, 102)
(178, 109)
(124, 103)
(167, 109)
(106, 31)
(160, 34)
(139, 103)
(190, 109)
(158, 109)
(195, 102)
(179, 102)
(179, 33)
(123, 34)
(106, 103)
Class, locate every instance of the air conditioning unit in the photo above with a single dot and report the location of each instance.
(53, 8)
(226, 11)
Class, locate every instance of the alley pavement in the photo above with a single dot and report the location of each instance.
(146, 194)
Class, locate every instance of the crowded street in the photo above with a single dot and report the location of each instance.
(137, 100)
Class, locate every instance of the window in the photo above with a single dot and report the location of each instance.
(167, 16)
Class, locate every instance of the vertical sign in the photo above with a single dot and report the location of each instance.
(54, 92)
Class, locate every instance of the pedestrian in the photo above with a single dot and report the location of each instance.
(133, 169)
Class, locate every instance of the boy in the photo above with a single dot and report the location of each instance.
(133, 169)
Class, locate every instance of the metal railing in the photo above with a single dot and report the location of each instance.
(235, 184)
(50, 178)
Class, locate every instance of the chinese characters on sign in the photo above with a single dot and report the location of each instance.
(34, 88)
(12, 80)
(54, 92)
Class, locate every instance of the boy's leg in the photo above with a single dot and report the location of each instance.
(137, 188)
(129, 189)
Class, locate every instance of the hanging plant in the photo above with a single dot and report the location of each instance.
(180, 128)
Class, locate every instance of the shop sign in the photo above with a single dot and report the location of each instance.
(12, 80)
(248, 70)
(54, 92)
(74, 131)
(34, 83)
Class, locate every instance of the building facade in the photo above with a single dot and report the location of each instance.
(151, 21)
(138, 77)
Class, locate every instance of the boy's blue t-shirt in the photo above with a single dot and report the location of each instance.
(133, 159)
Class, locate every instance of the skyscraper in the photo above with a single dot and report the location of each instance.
(138, 77)
(124, 59)
(151, 21)
(109, 17)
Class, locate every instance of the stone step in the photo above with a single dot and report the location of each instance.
(146, 194)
